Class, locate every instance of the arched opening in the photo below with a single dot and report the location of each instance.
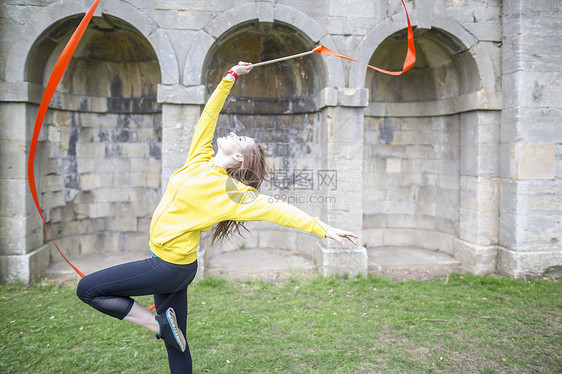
(98, 169)
(412, 169)
(275, 104)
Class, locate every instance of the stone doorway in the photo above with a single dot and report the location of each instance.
(420, 169)
(99, 156)
(277, 105)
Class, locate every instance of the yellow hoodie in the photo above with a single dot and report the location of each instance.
(201, 194)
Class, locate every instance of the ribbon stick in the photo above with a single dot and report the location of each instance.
(52, 84)
(284, 58)
(409, 61)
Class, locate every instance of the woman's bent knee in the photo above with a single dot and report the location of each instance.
(83, 290)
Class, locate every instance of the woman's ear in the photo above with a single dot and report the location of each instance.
(238, 157)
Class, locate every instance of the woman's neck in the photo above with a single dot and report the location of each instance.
(224, 161)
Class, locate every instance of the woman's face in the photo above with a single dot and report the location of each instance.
(233, 144)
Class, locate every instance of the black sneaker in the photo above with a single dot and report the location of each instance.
(170, 331)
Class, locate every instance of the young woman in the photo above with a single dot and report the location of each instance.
(219, 191)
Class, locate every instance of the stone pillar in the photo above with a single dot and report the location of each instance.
(476, 246)
(342, 138)
(181, 108)
(22, 253)
(531, 177)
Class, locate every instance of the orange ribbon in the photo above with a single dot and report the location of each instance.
(409, 61)
(52, 84)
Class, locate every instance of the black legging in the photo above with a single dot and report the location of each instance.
(109, 291)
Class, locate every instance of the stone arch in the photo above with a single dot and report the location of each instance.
(100, 171)
(389, 26)
(422, 135)
(65, 9)
(153, 33)
(266, 13)
(277, 105)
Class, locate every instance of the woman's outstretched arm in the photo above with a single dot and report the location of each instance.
(253, 206)
(201, 148)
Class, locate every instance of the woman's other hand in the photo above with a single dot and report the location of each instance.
(337, 235)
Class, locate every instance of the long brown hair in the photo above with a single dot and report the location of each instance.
(252, 172)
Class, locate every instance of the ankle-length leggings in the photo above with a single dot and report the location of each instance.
(110, 291)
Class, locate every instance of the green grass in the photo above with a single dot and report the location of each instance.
(462, 324)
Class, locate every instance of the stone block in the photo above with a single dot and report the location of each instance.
(426, 200)
(524, 224)
(373, 237)
(401, 237)
(278, 239)
(69, 246)
(19, 92)
(196, 57)
(196, 5)
(354, 97)
(100, 243)
(301, 21)
(352, 8)
(249, 240)
(176, 94)
(393, 165)
(182, 19)
(119, 180)
(153, 180)
(480, 127)
(479, 228)
(537, 90)
(532, 125)
(335, 25)
(351, 261)
(122, 224)
(88, 166)
(526, 265)
(143, 224)
(24, 268)
(359, 25)
(135, 242)
(10, 121)
(265, 11)
(436, 241)
(14, 162)
(108, 165)
(479, 194)
(144, 195)
(485, 31)
(532, 161)
(328, 96)
(135, 150)
(90, 181)
(480, 260)
(53, 199)
(224, 21)
(134, 180)
(410, 221)
(12, 235)
(111, 194)
(539, 197)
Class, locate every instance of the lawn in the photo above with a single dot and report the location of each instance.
(458, 324)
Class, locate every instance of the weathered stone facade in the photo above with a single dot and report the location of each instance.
(463, 153)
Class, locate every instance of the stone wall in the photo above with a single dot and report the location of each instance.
(462, 153)
(531, 138)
